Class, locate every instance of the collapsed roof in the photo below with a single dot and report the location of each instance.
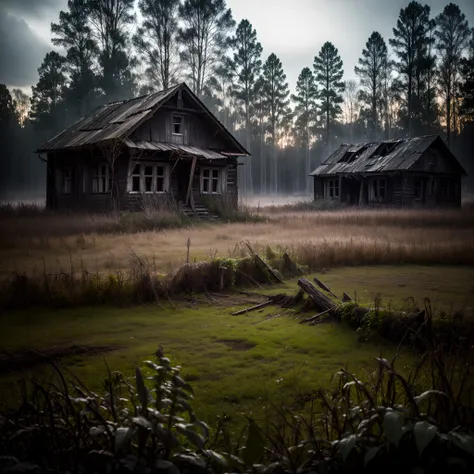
(386, 156)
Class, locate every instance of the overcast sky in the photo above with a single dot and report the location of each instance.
(294, 30)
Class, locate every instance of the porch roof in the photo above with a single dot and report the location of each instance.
(187, 150)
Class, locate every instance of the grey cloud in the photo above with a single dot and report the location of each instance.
(32, 8)
(21, 52)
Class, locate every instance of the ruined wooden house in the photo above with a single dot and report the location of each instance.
(413, 172)
(162, 149)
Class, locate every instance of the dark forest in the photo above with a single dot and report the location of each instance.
(419, 81)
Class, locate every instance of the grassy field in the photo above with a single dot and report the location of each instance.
(54, 243)
(237, 364)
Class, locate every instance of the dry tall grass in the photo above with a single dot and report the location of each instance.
(54, 242)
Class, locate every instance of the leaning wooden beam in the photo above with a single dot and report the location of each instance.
(191, 176)
(264, 264)
(346, 298)
(324, 287)
(320, 300)
(252, 308)
(313, 318)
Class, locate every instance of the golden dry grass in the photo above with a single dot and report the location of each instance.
(317, 239)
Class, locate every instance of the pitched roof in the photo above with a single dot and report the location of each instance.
(389, 155)
(117, 120)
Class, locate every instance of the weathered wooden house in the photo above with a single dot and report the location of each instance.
(414, 172)
(166, 147)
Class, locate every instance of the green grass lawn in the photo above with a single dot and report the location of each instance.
(237, 364)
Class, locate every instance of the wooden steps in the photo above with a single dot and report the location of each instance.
(200, 213)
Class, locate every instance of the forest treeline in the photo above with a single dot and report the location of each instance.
(419, 81)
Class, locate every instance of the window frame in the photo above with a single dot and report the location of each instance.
(63, 180)
(332, 187)
(141, 175)
(181, 124)
(418, 196)
(221, 184)
(377, 186)
(98, 177)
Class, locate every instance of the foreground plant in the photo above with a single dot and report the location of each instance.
(147, 425)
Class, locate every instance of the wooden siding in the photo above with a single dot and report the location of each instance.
(196, 130)
(318, 188)
(83, 166)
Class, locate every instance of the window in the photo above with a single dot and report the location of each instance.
(148, 178)
(378, 189)
(432, 188)
(418, 188)
(65, 180)
(447, 188)
(177, 125)
(210, 181)
(160, 179)
(333, 188)
(102, 180)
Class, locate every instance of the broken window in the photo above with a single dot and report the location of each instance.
(160, 179)
(136, 179)
(102, 179)
(210, 181)
(149, 178)
(177, 125)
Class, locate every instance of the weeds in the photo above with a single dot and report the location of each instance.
(388, 421)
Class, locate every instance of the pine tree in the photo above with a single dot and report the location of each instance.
(74, 34)
(410, 45)
(467, 84)
(111, 20)
(371, 74)
(204, 37)
(305, 112)
(452, 39)
(157, 43)
(276, 102)
(48, 93)
(246, 65)
(328, 68)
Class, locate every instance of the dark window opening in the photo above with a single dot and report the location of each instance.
(333, 187)
(379, 188)
(418, 188)
(177, 125)
(432, 187)
(160, 179)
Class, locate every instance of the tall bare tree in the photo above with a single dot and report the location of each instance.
(21, 101)
(305, 101)
(156, 41)
(350, 105)
(453, 35)
(205, 39)
(111, 21)
(246, 65)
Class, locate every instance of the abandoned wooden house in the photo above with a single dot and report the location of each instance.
(413, 172)
(162, 149)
